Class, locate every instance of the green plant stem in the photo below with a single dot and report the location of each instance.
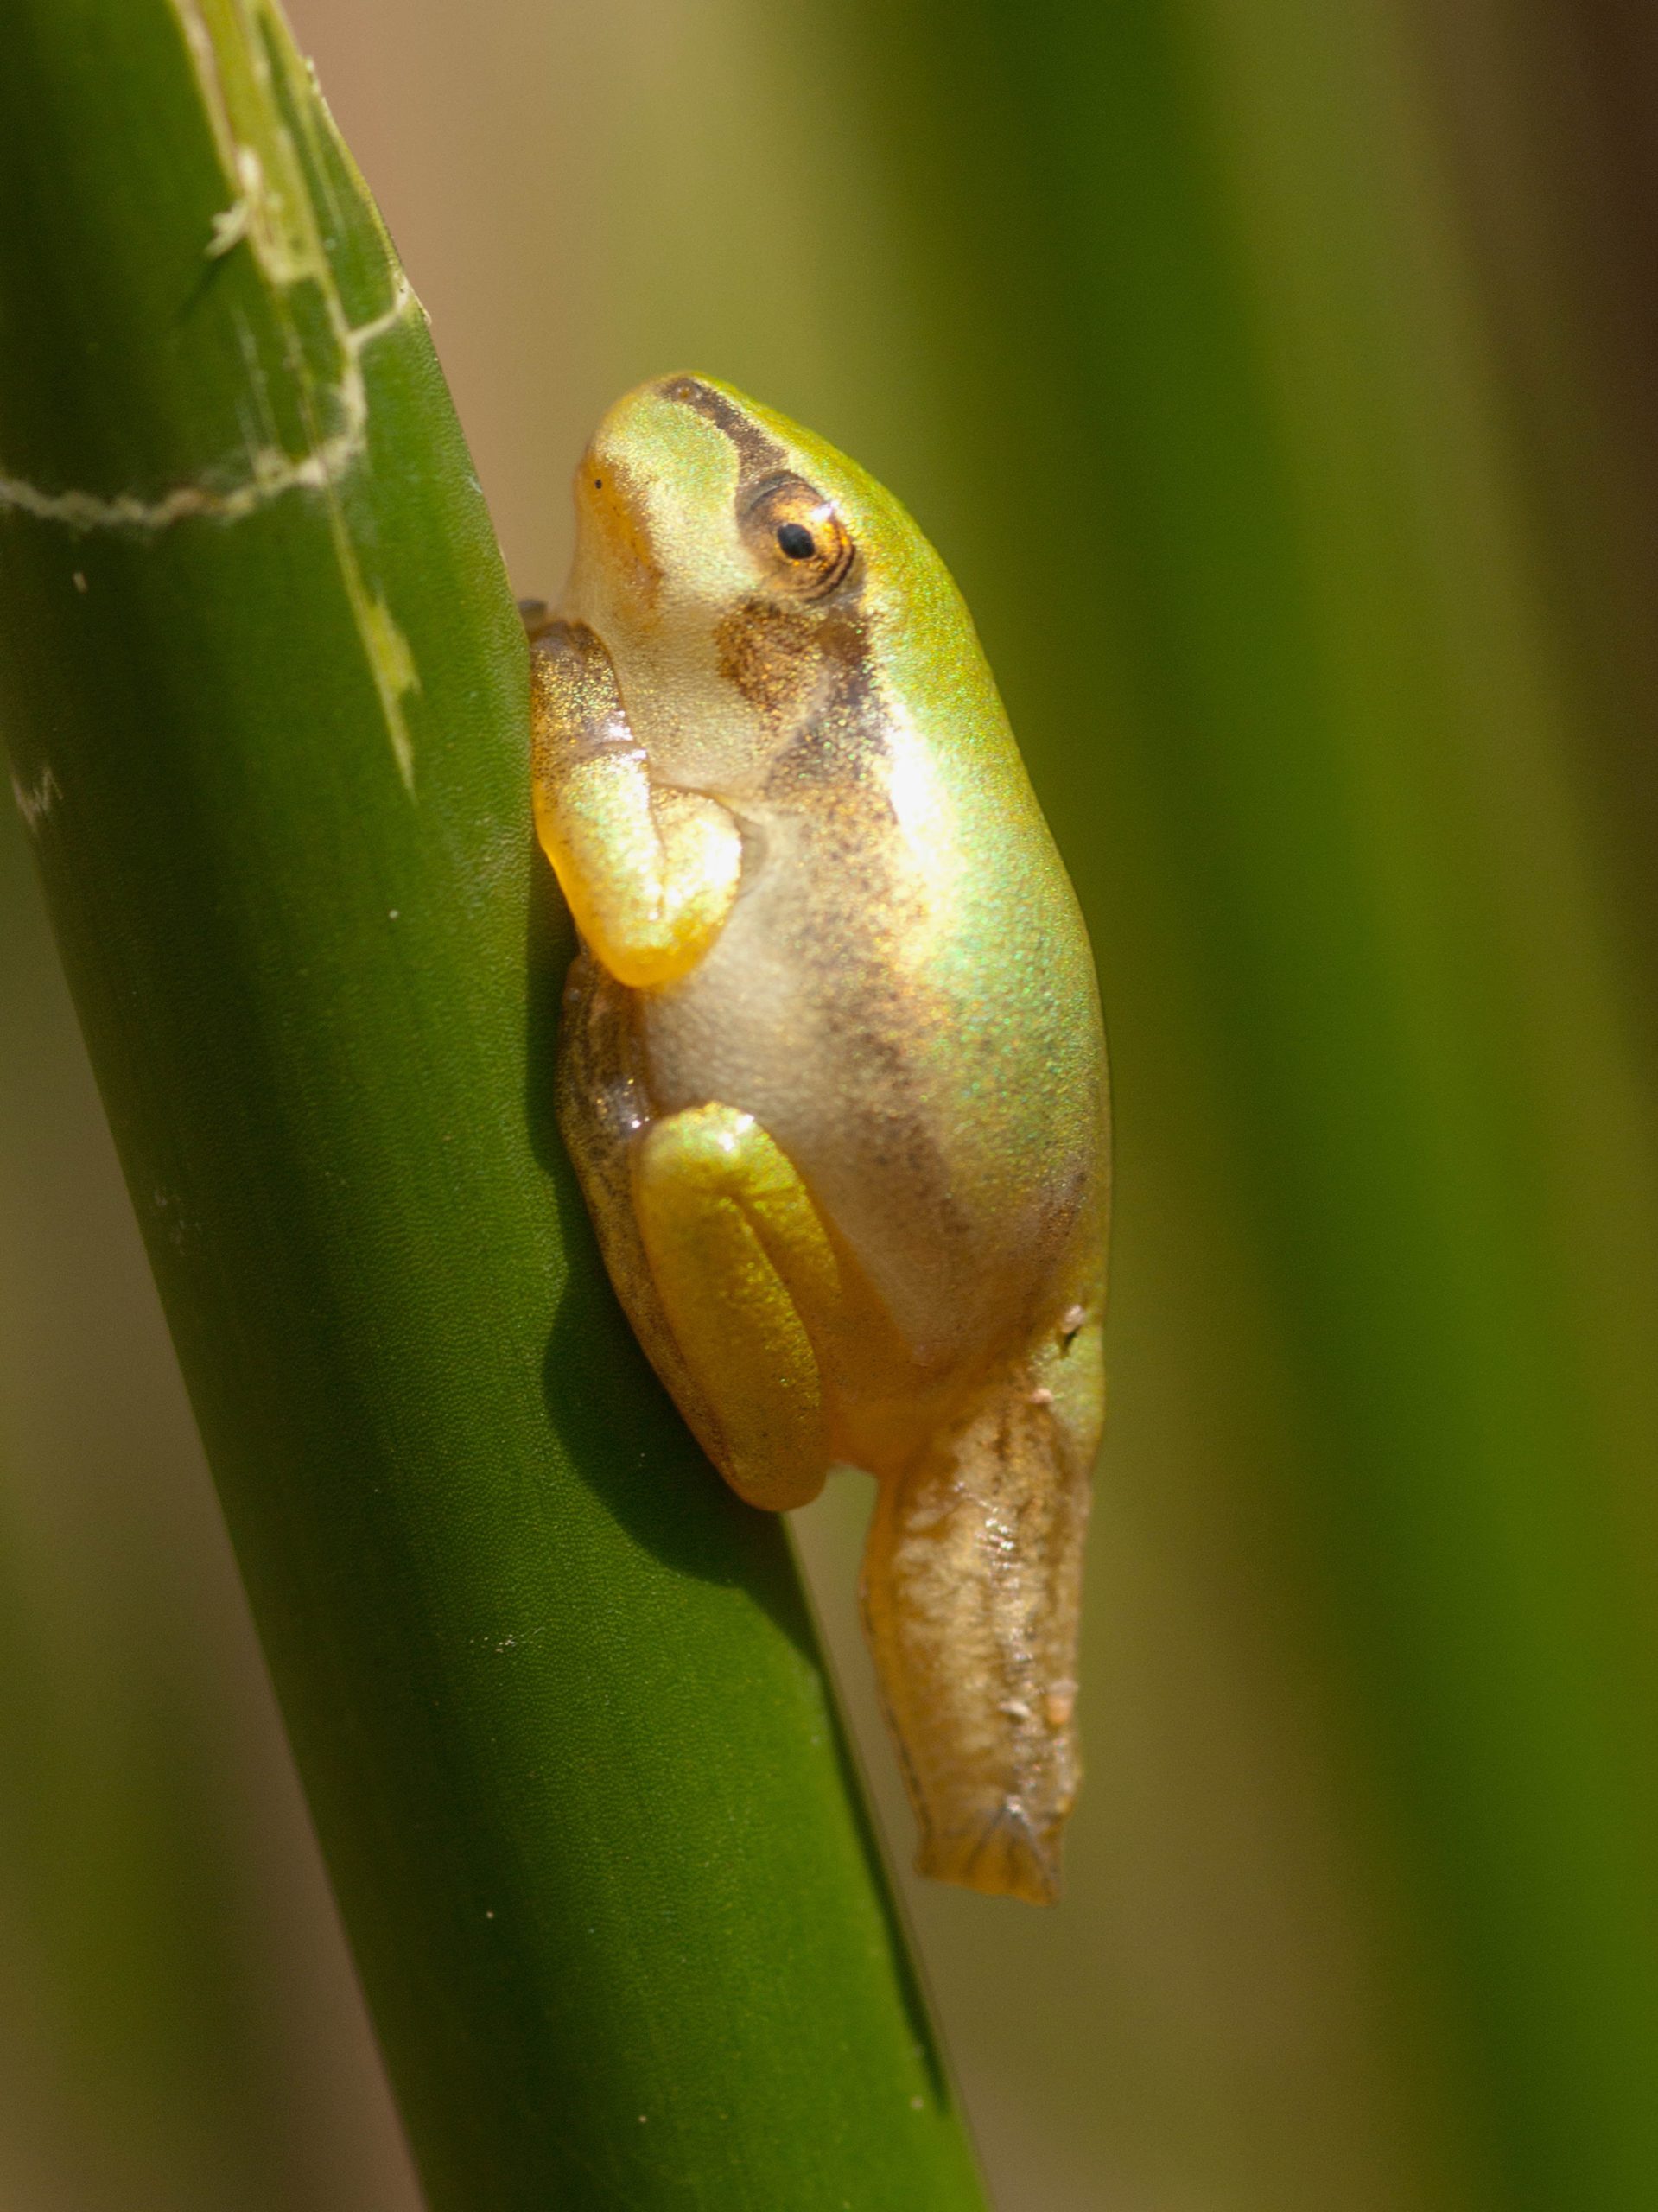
(555, 1693)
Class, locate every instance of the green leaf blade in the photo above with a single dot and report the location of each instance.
(555, 1693)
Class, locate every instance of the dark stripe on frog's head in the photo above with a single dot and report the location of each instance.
(757, 454)
(806, 670)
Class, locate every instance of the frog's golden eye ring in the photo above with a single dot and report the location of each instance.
(797, 536)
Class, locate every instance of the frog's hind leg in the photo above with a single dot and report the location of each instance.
(972, 1586)
(604, 1113)
(747, 1275)
(714, 1247)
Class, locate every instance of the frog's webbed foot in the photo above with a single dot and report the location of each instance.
(740, 1260)
(972, 1588)
(649, 870)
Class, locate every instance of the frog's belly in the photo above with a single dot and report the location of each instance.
(844, 1046)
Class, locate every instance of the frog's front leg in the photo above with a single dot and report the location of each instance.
(752, 1288)
(650, 871)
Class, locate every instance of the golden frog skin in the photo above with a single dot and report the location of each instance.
(831, 1068)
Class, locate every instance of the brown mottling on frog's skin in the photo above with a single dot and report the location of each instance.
(832, 1071)
(772, 654)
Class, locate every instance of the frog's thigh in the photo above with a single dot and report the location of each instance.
(737, 1252)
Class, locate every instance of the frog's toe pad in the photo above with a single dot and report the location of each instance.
(1009, 1857)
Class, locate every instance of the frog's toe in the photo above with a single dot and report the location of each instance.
(1010, 1856)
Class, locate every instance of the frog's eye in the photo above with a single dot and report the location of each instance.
(797, 536)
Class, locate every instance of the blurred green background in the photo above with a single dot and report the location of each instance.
(1278, 380)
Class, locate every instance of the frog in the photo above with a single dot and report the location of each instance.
(831, 1067)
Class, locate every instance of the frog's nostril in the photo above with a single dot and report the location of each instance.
(612, 520)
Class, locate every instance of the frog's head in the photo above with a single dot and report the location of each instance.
(740, 572)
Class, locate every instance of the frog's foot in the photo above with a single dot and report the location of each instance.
(972, 1586)
(649, 870)
(740, 1257)
(536, 618)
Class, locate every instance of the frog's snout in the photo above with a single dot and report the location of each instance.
(611, 533)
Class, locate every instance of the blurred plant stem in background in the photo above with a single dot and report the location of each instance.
(179, 2027)
(1550, 111)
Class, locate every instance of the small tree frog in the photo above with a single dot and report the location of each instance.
(831, 1068)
